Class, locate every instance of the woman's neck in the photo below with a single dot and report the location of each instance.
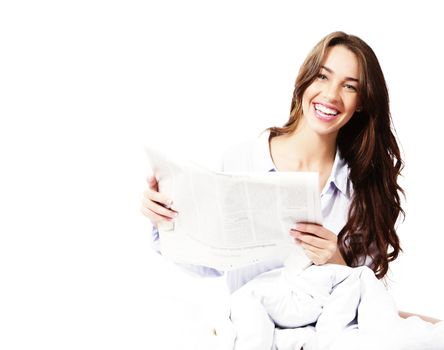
(303, 150)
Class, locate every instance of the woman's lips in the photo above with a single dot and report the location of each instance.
(325, 113)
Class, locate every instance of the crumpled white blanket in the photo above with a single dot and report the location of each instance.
(325, 307)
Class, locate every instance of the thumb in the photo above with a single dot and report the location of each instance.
(152, 182)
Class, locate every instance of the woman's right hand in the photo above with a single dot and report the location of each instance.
(155, 205)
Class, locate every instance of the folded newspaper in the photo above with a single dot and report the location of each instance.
(230, 220)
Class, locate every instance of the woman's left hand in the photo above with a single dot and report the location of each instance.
(320, 244)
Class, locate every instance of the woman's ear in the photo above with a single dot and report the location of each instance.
(359, 109)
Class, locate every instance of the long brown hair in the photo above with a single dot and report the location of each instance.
(369, 147)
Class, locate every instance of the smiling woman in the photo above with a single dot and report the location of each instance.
(339, 126)
(340, 103)
(85, 85)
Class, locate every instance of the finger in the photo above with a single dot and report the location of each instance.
(318, 256)
(310, 239)
(152, 183)
(315, 229)
(307, 250)
(308, 228)
(311, 248)
(313, 257)
(154, 217)
(158, 197)
(159, 209)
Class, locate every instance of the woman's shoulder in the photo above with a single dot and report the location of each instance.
(249, 155)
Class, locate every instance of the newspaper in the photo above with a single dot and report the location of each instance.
(230, 220)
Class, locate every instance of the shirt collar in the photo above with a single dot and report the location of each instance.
(338, 176)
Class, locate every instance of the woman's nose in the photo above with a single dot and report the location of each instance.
(331, 92)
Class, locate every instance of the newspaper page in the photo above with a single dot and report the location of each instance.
(228, 220)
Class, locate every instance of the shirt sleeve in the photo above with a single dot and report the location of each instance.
(196, 270)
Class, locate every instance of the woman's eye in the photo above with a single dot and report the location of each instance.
(322, 76)
(350, 87)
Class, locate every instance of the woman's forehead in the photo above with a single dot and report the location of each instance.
(341, 61)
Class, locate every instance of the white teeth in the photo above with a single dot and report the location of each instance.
(325, 110)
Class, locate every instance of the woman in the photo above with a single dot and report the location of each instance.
(339, 126)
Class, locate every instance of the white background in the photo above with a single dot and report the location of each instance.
(85, 85)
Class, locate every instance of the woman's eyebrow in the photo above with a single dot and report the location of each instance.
(346, 78)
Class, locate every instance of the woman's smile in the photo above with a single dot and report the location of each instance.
(324, 112)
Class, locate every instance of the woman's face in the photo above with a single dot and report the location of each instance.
(330, 101)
